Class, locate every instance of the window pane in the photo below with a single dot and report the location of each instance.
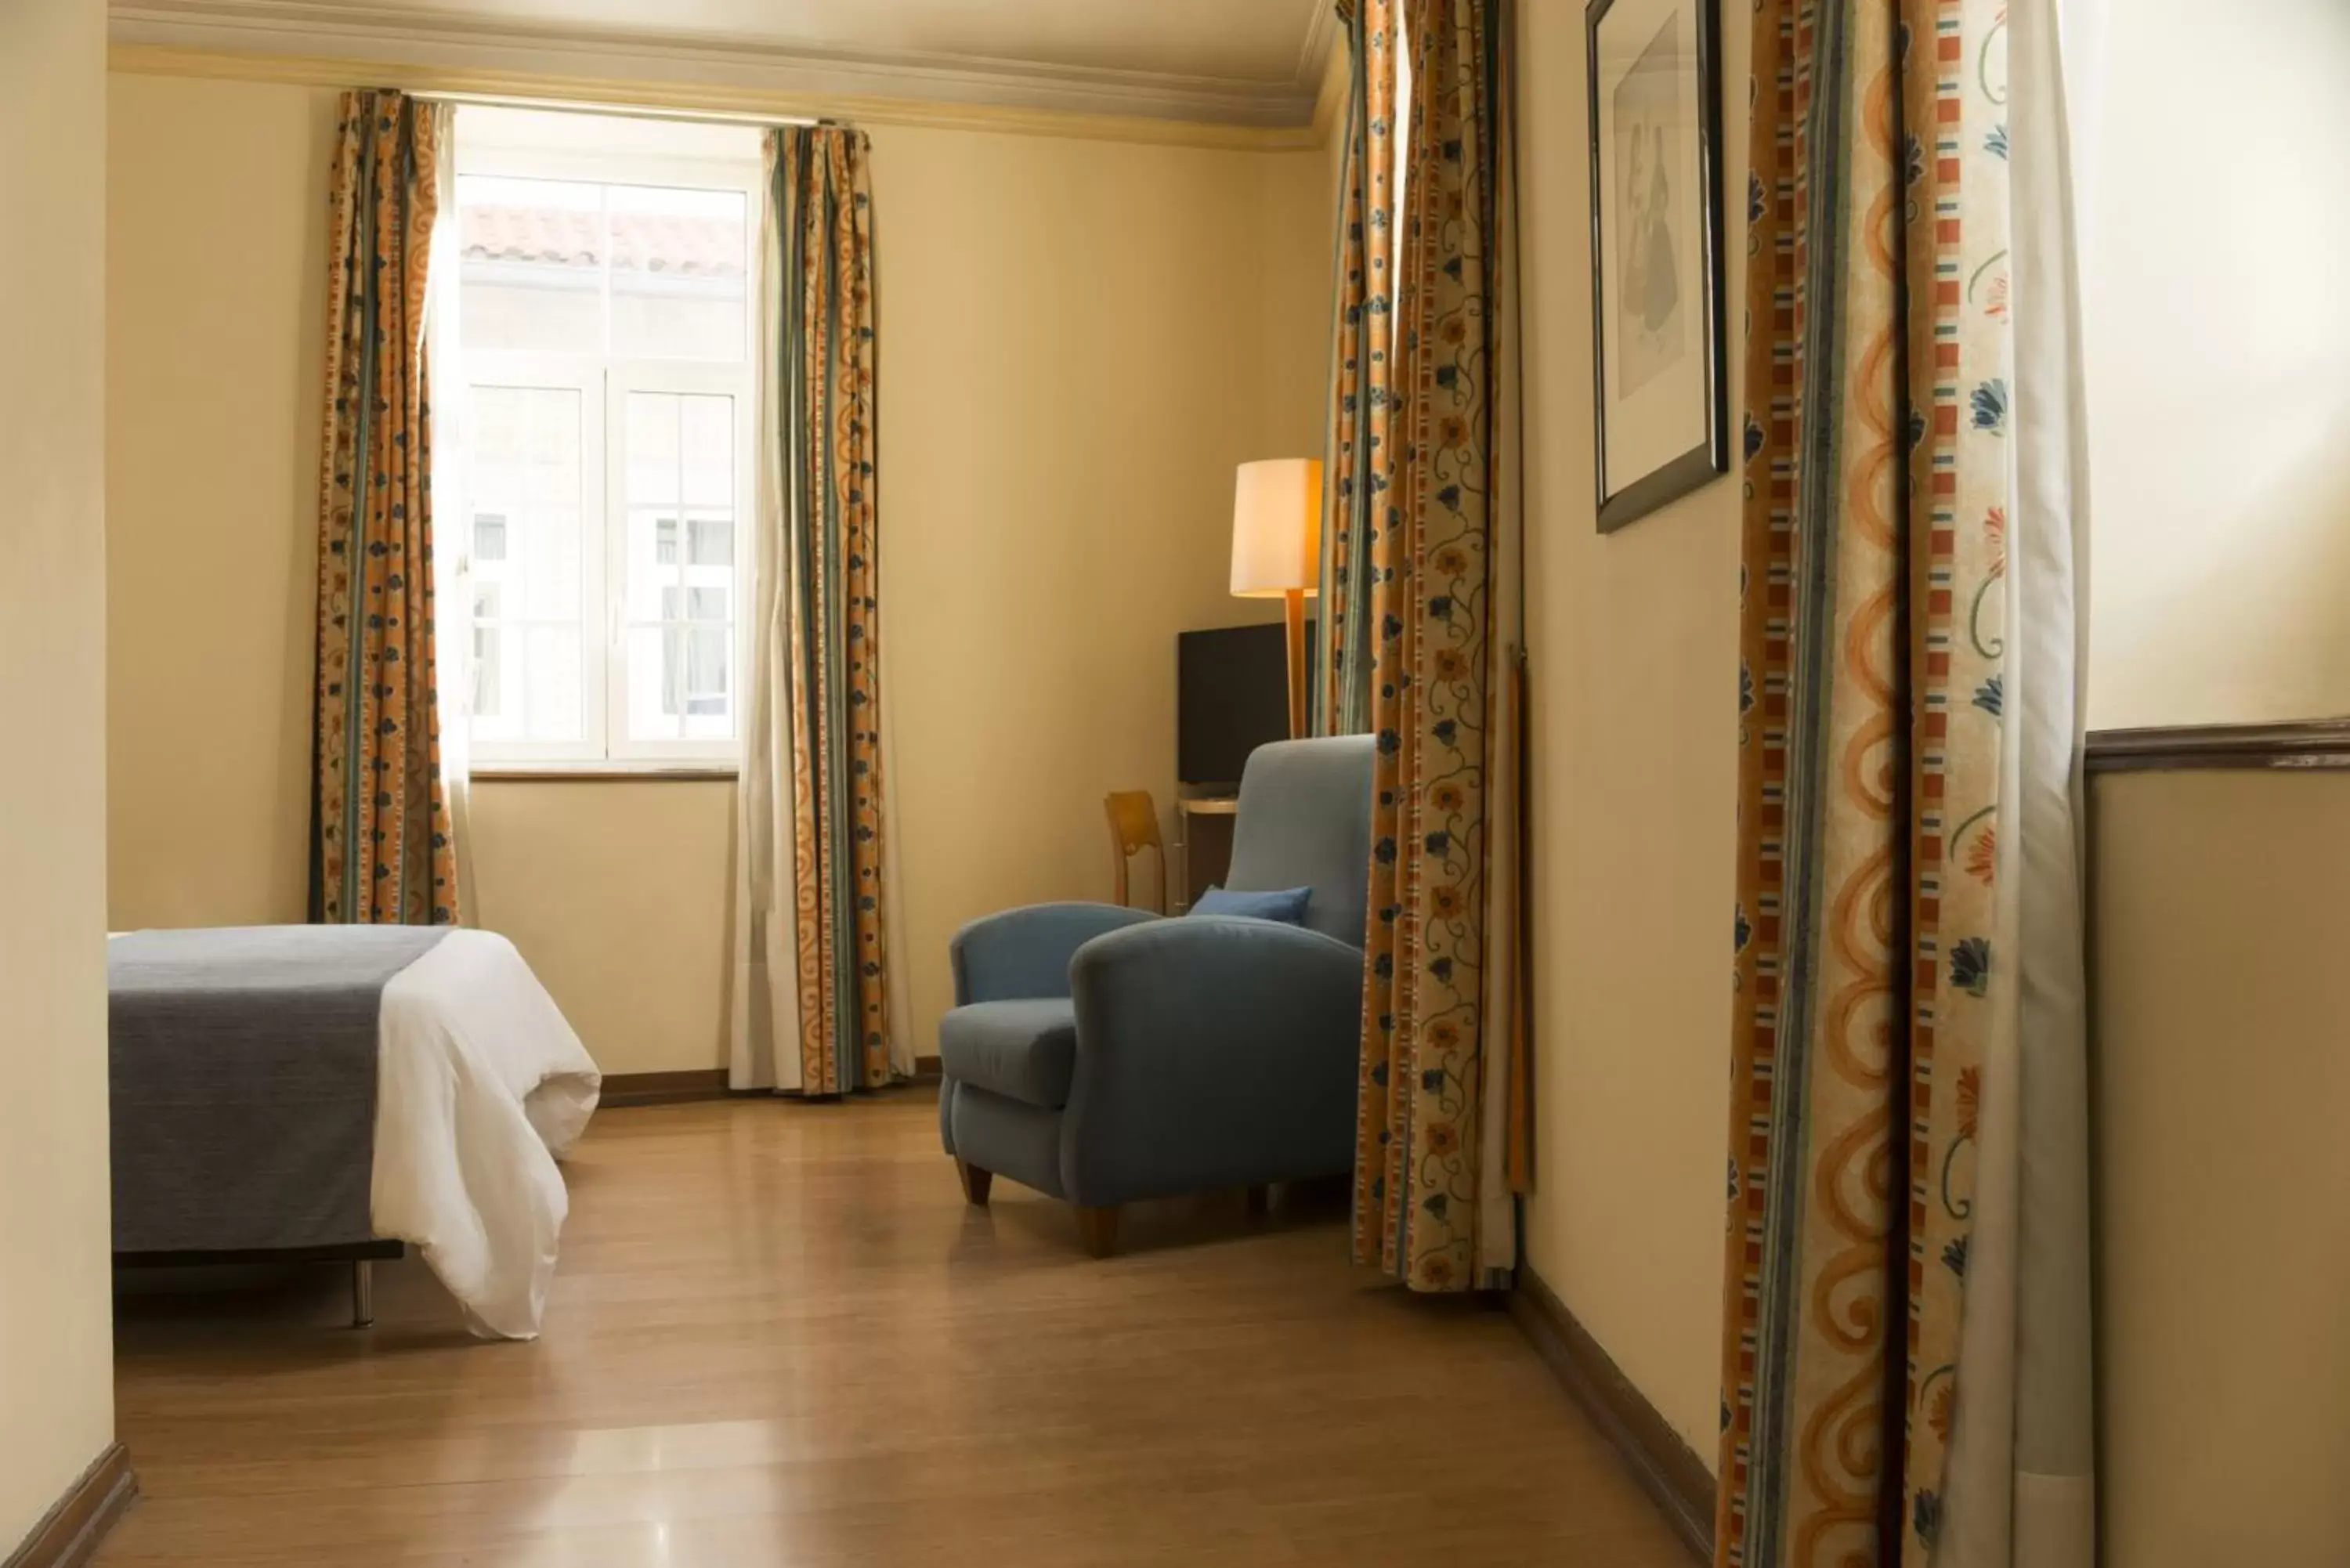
(706, 672)
(696, 604)
(679, 596)
(550, 690)
(653, 424)
(679, 263)
(532, 271)
(527, 483)
(489, 675)
(682, 682)
(706, 450)
(712, 542)
(526, 682)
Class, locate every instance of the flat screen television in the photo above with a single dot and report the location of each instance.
(1231, 696)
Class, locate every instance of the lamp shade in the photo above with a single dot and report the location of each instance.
(1277, 528)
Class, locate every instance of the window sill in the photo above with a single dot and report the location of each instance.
(603, 773)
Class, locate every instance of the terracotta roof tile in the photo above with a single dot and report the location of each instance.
(642, 242)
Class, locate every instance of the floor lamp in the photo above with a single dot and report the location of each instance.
(1277, 551)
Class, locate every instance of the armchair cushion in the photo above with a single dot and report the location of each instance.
(1025, 1050)
(1026, 953)
(1287, 906)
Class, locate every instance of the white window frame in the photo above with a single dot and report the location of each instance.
(622, 377)
(579, 375)
(604, 383)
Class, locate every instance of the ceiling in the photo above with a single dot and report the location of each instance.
(1246, 62)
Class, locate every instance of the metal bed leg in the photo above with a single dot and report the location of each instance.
(363, 1294)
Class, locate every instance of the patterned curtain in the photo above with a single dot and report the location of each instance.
(1355, 459)
(1883, 797)
(811, 1004)
(382, 846)
(1434, 478)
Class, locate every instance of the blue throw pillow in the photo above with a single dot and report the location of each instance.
(1287, 906)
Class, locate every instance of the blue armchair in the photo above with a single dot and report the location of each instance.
(1104, 1055)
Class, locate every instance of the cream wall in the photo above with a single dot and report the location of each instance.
(620, 894)
(57, 1375)
(1079, 342)
(1634, 650)
(216, 305)
(2223, 1259)
(2220, 427)
(2219, 364)
(1076, 354)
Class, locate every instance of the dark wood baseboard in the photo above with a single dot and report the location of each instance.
(2316, 745)
(1667, 1468)
(69, 1533)
(623, 1089)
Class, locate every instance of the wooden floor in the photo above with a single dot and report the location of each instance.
(779, 1337)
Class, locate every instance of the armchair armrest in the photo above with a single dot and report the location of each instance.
(1026, 953)
(1211, 1053)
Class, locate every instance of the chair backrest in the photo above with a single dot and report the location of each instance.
(1133, 827)
(1306, 822)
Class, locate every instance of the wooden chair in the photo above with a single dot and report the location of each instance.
(1133, 828)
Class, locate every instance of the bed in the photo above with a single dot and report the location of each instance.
(339, 1091)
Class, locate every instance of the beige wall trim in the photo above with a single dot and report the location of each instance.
(2315, 745)
(1667, 1468)
(69, 1533)
(717, 83)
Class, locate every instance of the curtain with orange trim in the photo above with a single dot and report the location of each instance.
(1432, 1202)
(1356, 459)
(818, 1006)
(1908, 957)
(383, 845)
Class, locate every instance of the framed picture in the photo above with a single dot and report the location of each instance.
(1661, 402)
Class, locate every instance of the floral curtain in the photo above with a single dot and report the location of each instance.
(384, 845)
(1355, 456)
(1899, 828)
(1424, 1205)
(815, 985)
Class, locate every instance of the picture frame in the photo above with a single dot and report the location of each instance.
(1660, 387)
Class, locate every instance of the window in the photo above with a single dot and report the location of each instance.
(603, 322)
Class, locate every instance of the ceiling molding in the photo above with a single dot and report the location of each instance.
(683, 72)
(1322, 35)
(542, 90)
(1334, 84)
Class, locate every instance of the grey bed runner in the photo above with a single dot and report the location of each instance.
(243, 1082)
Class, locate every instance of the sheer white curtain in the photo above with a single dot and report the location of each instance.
(2022, 1460)
(1501, 1130)
(452, 595)
(764, 1030)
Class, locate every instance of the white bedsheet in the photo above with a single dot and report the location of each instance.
(481, 1086)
